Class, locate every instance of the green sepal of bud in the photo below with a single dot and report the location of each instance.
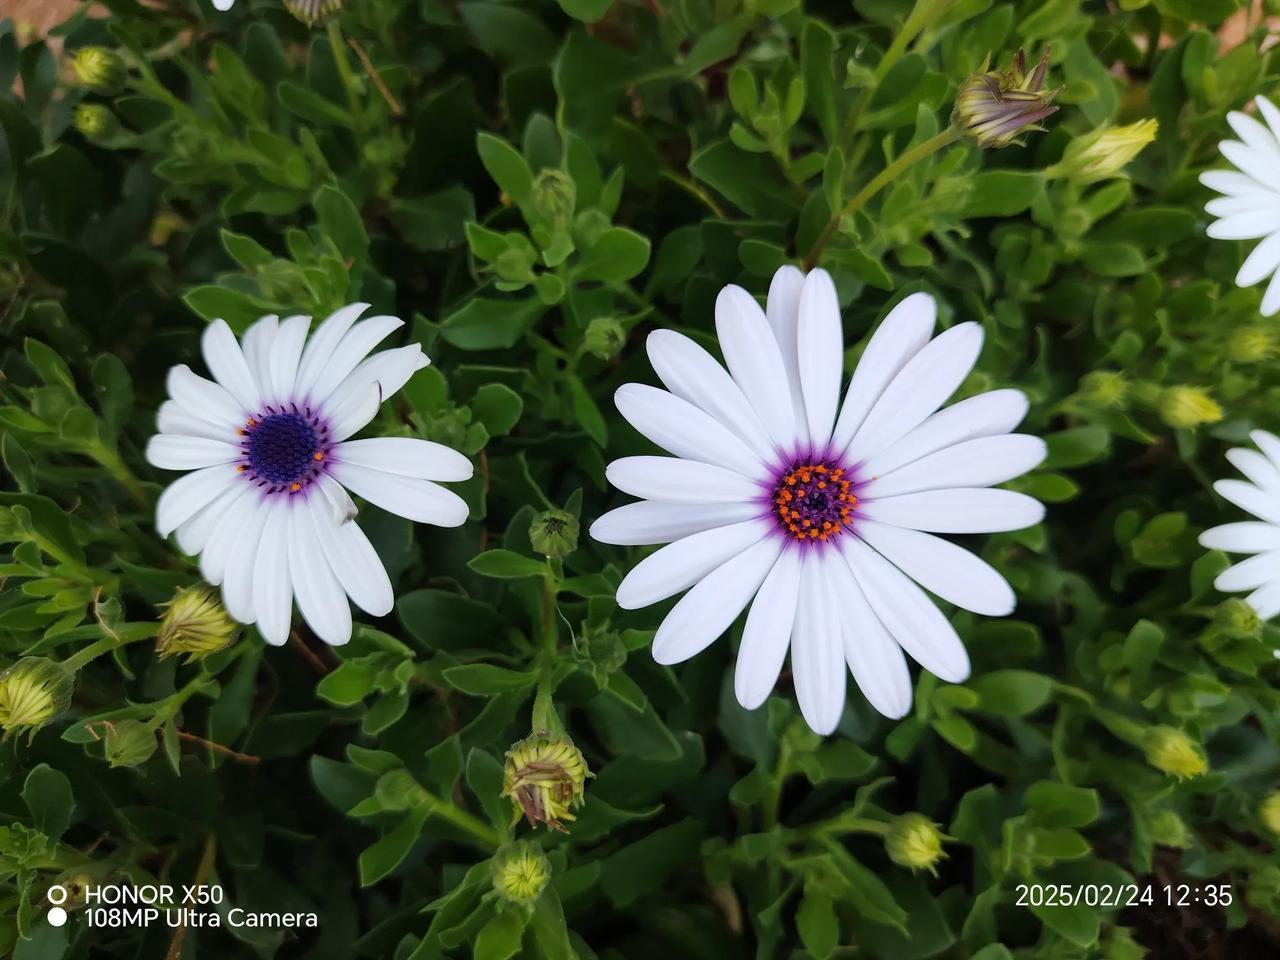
(520, 873)
(95, 121)
(1169, 830)
(554, 196)
(33, 692)
(1103, 390)
(195, 623)
(100, 69)
(1237, 619)
(914, 841)
(129, 743)
(554, 533)
(1252, 344)
(604, 338)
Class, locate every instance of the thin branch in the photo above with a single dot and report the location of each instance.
(219, 748)
(376, 77)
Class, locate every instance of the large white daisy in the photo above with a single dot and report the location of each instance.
(266, 504)
(823, 512)
(1259, 575)
(1250, 207)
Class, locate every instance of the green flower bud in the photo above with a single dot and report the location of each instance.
(33, 691)
(95, 121)
(1187, 407)
(1171, 751)
(100, 69)
(1237, 619)
(604, 338)
(1263, 890)
(546, 778)
(1104, 153)
(1249, 345)
(164, 226)
(520, 873)
(554, 195)
(1269, 812)
(914, 841)
(993, 108)
(129, 743)
(1169, 830)
(1104, 390)
(312, 12)
(554, 533)
(195, 623)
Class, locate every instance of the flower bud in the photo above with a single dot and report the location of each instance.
(1187, 407)
(99, 69)
(128, 743)
(1104, 153)
(1263, 889)
(520, 873)
(914, 841)
(1104, 390)
(1250, 344)
(1269, 812)
(1237, 619)
(33, 691)
(312, 12)
(164, 226)
(604, 338)
(1169, 830)
(195, 623)
(546, 777)
(993, 108)
(1171, 751)
(95, 121)
(554, 195)
(554, 533)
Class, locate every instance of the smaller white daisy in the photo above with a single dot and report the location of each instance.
(1250, 206)
(223, 5)
(265, 504)
(1260, 573)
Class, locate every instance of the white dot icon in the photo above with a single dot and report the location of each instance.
(57, 916)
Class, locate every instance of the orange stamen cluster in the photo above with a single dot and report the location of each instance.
(814, 501)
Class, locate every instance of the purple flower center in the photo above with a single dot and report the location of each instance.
(814, 500)
(285, 449)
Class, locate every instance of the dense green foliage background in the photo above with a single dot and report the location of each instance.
(537, 193)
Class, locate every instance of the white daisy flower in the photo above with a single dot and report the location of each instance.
(223, 5)
(1250, 207)
(266, 504)
(823, 512)
(1260, 496)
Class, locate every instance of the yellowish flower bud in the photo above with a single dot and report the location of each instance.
(33, 691)
(1249, 345)
(914, 841)
(546, 777)
(1104, 390)
(520, 873)
(554, 533)
(1187, 407)
(1171, 751)
(1169, 830)
(196, 624)
(128, 743)
(993, 108)
(1105, 152)
(95, 121)
(312, 12)
(1269, 812)
(164, 226)
(99, 69)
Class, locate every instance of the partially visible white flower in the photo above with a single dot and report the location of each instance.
(821, 512)
(266, 504)
(223, 5)
(1259, 575)
(1250, 207)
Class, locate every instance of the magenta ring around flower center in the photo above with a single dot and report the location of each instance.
(285, 448)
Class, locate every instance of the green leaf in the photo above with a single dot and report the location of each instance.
(816, 922)
(643, 866)
(1003, 193)
(349, 684)
(485, 324)
(438, 618)
(506, 564)
(377, 862)
(1062, 805)
(500, 938)
(586, 412)
(588, 11)
(498, 407)
(47, 794)
(508, 168)
(616, 257)
(341, 222)
(1012, 693)
(484, 679)
(436, 221)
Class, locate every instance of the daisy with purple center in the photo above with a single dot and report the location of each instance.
(266, 504)
(817, 513)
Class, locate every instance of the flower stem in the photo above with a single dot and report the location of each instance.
(109, 459)
(130, 633)
(476, 828)
(886, 176)
(339, 50)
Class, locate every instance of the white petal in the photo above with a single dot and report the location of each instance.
(1265, 600)
(1261, 263)
(1234, 206)
(353, 560)
(782, 309)
(957, 511)
(987, 414)
(322, 345)
(1257, 468)
(385, 372)
(286, 355)
(1270, 114)
(983, 462)
(821, 355)
(245, 533)
(1245, 226)
(418, 500)
(692, 374)
(355, 412)
(817, 646)
(272, 587)
(194, 533)
(1271, 299)
(189, 494)
(321, 599)
(172, 418)
(1256, 137)
(1269, 444)
(353, 348)
(1249, 574)
(874, 659)
(1248, 536)
(223, 5)
(909, 616)
(1251, 162)
(256, 345)
(1249, 498)
(766, 636)
(942, 568)
(680, 428)
(754, 360)
(233, 511)
(679, 565)
(652, 521)
(205, 399)
(923, 385)
(406, 456)
(171, 452)
(1230, 182)
(681, 481)
(227, 364)
(900, 336)
(714, 602)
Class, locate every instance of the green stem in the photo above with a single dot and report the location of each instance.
(339, 50)
(110, 460)
(886, 176)
(479, 830)
(545, 717)
(106, 645)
